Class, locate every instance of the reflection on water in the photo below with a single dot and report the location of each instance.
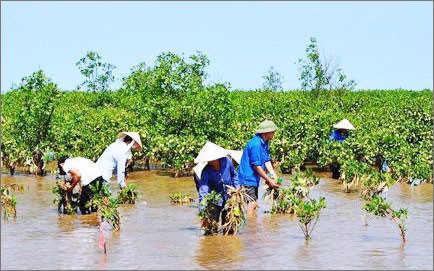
(219, 252)
(157, 235)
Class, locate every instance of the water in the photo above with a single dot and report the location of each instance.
(157, 235)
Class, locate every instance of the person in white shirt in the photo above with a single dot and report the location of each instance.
(115, 156)
(85, 172)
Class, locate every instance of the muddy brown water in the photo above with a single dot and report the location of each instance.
(157, 235)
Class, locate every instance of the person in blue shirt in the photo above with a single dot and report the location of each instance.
(342, 130)
(215, 176)
(256, 162)
(381, 164)
(340, 134)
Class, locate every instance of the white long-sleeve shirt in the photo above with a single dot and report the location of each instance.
(88, 170)
(113, 158)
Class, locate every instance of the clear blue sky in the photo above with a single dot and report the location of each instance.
(382, 45)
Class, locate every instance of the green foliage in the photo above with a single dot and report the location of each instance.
(283, 199)
(98, 74)
(128, 194)
(106, 204)
(175, 114)
(318, 74)
(308, 213)
(375, 183)
(180, 198)
(9, 202)
(273, 80)
(206, 214)
(28, 113)
(67, 201)
(378, 206)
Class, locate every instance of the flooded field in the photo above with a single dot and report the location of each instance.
(157, 235)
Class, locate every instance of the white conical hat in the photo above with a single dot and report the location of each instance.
(344, 124)
(198, 168)
(236, 155)
(210, 152)
(135, 136)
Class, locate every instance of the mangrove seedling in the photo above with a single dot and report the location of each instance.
(380, 207)
(106, 205)
(283, 199)
(128, 195)
(376, 183)
(109, 211)
(308, 213)
(180, 198)
(67, 201)
(208, 211)
(9, 203)
(235, 208)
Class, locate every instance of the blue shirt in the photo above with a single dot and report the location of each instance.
(254, 154)
(212, 180)
(384, 167)
(336, 135)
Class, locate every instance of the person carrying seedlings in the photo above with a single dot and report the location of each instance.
(235, 158)
(115, 157)
(217, 172)
(85, 172)
(340, 134)
(256, 162)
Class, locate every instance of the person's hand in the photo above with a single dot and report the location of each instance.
(273, 184)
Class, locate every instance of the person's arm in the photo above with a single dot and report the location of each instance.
(120, 170)
(270, 170)
(332, 136)
(203, 189)
(256, 158)
(269, 181)
(75, 178)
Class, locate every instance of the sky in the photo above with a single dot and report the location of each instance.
(381, 45)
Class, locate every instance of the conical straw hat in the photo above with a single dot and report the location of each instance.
(236, 155)
(135, 136)
(344, 124)
(266, 126)
(210, 152)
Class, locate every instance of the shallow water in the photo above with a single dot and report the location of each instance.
(157, 235)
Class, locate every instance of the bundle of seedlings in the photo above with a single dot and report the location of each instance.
(207, 213)
(106, 204)
(378, 206)
(308, 213)
(271, 194)
(180, 198)
(235, 208)
(9, 203)
(128, 195)
(67, 201)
